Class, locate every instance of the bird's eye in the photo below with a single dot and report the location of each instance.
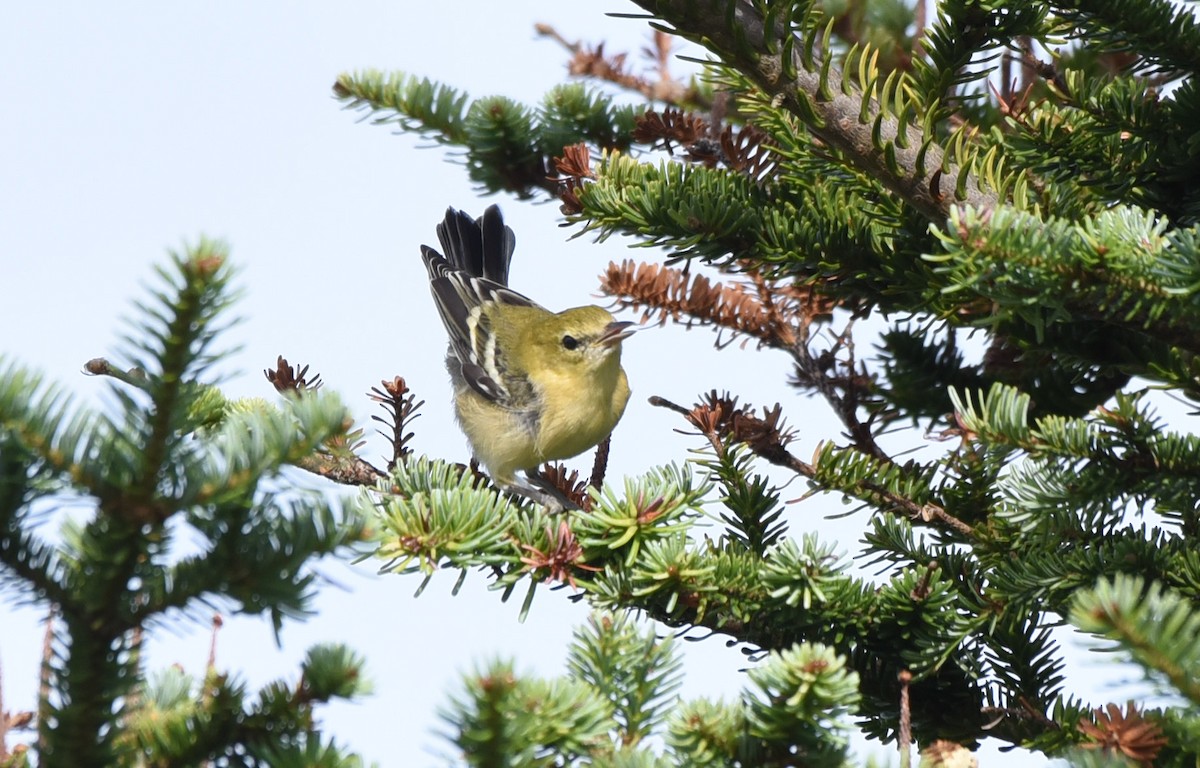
(570, 342)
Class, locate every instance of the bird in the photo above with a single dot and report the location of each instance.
(530, 385)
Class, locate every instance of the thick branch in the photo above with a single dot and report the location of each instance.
(345, 471)
(742, 41)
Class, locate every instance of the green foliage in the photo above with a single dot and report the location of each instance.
(174, 461)
(636, 673)
(619, 694)
(753, 512)
(1012, 198)
(1157, 627)
(805, 692)
(179, 719)
(508, 146)
(1166, 37)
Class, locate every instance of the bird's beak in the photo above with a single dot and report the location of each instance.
(615, 333)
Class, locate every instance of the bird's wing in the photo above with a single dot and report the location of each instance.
(472, 274)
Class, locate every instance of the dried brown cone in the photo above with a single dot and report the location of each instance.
(567, 483)
(285, 378)
(748, 151)
(17, 721)
(744, 150)
(573, 169)
(660, 129)
(1127, 733)
(562, 558)
(575, 164)
(714, 415)
(767, 435)
(667, 88)
(719, 416)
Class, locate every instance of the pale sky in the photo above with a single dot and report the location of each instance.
(133, 128)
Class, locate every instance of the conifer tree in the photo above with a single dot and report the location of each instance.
(1009, 191)
(100, 513)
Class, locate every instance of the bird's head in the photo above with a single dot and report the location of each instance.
(581, 339)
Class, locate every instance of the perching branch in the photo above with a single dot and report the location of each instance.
(337, 460)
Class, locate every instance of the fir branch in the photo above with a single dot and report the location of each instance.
(280, 538)
(433, 513)
(201, 285)
(25, 556)
(964, 35)
(1156, 626)
(769, 52)
(179, 721)
(561, 558)
(801, 695)
(45, 677)
(904, 733)
(846, 387)
(138, 472)
(661, 506)
(501, 718)
(115, 571)
(1025, 662)
(508, 145)
(753, 512)
(849, 471)
(636, 671)
(1094, 464)
(1105, 140)
(336, 459)
(1104, 272)
(777, 315)
(1164, 37)
(343, 470)
(99, 366)
(433, 110)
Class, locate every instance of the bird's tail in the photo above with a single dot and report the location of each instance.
(481, 247)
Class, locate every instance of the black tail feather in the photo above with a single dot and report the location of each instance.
(480, 247)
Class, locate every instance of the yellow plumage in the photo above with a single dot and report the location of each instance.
(531, 385)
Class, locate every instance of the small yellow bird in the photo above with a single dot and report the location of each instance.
(530, 385)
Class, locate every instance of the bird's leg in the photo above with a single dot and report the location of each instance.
(539, 490)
